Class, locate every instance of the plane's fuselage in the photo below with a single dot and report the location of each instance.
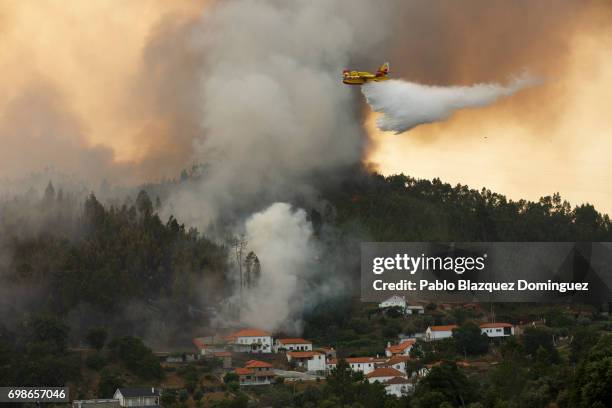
(362, 77)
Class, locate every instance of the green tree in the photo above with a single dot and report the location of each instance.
(536, 337)
(470, 340)
(110, 380)
(592, 385)
(97, 338)
(138, 358)
(446, 379)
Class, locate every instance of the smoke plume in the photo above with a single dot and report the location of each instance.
(281, 238)
(275, 115)
(407, 104)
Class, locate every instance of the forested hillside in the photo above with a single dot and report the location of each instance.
(401, 208)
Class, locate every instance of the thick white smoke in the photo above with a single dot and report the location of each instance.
(275, 114)
(407, 104)
(281, 238)
(273, 106)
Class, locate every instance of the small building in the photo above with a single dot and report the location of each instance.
(138, 396)
(208, 345)
(402, 349)
(393, 301)
(362, 364)
(398, 362)
(255, 373)
(96, 403)
(439, 332)
(312, 361)
(294, 344)
(250, 341)
(497, 329)
(383, 374)
(225, 357)
(398, 386)
(329, 352)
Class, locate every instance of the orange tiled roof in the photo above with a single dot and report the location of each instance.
(399, 348)
(448, 327)
(243, 371)
(397, 380)
(384, 372)
(303, 354)
(353, 360)
(222, 354)
(493, 325)
(397, 359)
(294, 341)
(257, 364)
(247, 333)
(199, 343)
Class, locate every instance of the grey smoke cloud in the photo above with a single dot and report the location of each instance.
(405, 105)
(273, 108)
(282, 239)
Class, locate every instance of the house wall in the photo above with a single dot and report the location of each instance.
(292, 347)
(438, 335)
(263, 344)
(496, 331)
(398, 389)
(316, 363)
(394, 301)
(379, 379)
(365, 368)
(137, 401)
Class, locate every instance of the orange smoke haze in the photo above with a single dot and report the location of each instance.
(76, 86)
(552, 138)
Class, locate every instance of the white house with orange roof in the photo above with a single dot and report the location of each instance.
(402, 349)
(255, 372)
(312, 361)
(497, 329)
(292, 344)
(383, 374)
(398, 362)
(362, 364)
(439, 332)
(250, 341)
(398, 386)
(208, 345)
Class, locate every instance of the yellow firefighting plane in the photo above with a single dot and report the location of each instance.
(361, 77)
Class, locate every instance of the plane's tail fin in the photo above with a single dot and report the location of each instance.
(384, 69)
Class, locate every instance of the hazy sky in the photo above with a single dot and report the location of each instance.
(111, 89)
(556, 137)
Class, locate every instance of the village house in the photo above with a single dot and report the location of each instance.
(250, 341)
(403, 348)
(497, 329)
(383, 374)
(208, 345)
(255, 373)
(398, 362)
(329, 352)
(312, 361)
(138, 396)
(362, 364)
(439, 332)
(225, 357)
(295, 344)
(393, 301)
(398, 386)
